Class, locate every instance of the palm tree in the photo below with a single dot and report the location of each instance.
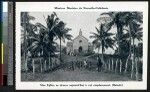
(62, 33)
(40, 46)
(52, 22)
(124, 41)
(28, 29)
(138, 56)
(102, 39)
(136, 33)
(50, 29)
(118, 21)
(129, 19)
(55, 29)
(121, 19)
(140, 50)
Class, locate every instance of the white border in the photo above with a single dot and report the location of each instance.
(5, 6)
(112, 6)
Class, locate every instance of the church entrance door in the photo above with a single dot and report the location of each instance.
(80, 49)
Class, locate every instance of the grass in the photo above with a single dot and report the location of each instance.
(76, 75)
(64, 74)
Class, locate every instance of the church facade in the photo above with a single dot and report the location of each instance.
(80, 44)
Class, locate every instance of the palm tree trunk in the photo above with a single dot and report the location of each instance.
(33, 66)
(132, 70)
(60, 49)
(109, 65)
(49, 63)
(112, 64)
(119, 29)
(137, 72)
(26, 63)
(126, 65)
(41, 65)
(120, 66)
(52, 66)
(44, 64)
(25, 42)
(105, 66)
(119, 33)
(26, 66)
(116, 66)
(137, 69)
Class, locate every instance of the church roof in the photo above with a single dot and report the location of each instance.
(80, 35)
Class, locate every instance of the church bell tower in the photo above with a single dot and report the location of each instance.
(80, 32)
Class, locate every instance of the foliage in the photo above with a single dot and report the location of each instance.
(102, 38)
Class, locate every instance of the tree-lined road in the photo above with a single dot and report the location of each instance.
(74, 75)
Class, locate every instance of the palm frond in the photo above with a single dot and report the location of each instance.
(41, 26)
(108, 34)
(94, 35)
(98, 31)
(111, 14)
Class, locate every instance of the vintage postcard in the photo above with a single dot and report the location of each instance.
(81, 45)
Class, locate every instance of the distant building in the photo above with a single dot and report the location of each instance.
(79, 44)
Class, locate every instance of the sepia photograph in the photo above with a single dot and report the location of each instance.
(81, 45)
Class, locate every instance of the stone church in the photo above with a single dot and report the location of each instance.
(80, 44)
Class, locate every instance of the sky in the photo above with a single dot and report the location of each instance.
(75, 20)
(86, 21)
